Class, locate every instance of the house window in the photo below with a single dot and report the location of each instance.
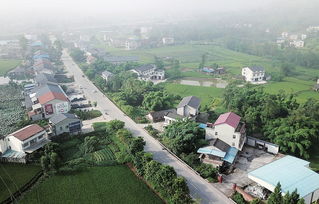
(25, 144)
(234, 136)
(60, 128)
(8, 139)
(40, 137)
(67, 127)
(216, 133)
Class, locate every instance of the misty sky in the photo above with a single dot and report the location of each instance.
(124, 7)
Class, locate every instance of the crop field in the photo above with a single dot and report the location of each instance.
(113, 184)
(302, 89)
(7, 64)
(103, 155)
(206, 94)
(15, 176)
(11, 110)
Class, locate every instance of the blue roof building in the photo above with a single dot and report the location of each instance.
(292, 173)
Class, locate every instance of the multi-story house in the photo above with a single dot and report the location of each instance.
(253, 74)
(149, 72)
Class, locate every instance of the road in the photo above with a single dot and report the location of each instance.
(199, 188)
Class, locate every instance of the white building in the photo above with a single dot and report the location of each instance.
(48, 100)
(106, 75)
(293, 174)
(168, 41)
(229, 129)
(284, 34)
(303, 36)
(149, 72)
(253, 74)
(25, 140)
(293, 37)
(297, 43)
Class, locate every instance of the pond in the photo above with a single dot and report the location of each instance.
(193, 81)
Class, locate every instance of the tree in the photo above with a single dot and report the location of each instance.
(115, 125)
(136, 145)
(159, 100)
(183, 136)
(203, 62)
(238, 198)
(50, 160)
(78, 55)
(276, 197)
(159, 62)
(90, 144)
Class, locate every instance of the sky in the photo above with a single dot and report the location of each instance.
(16, 14)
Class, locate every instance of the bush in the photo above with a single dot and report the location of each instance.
(238, 198)
(88, 114)
(152, 131)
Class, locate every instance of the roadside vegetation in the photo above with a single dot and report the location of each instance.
(87, 114)
(88, 158)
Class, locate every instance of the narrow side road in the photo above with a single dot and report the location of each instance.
(199, 188)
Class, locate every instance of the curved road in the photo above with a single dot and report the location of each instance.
(199, 188)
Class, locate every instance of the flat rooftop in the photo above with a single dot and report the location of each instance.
(292, 173)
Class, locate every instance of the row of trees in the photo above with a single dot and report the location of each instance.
(278, 118)
(161, 177)
(184, 138)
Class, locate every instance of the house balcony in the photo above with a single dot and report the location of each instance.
(37, 145)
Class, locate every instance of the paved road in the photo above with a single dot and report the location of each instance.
(199, 188)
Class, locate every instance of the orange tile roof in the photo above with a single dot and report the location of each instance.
(51, 96)
(27, 132)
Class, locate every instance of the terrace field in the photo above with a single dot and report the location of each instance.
(112, 184)
(15, 176)
(8, 64)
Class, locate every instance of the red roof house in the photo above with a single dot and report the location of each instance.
(229, 118)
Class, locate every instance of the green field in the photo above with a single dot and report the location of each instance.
(7, 64)
(113, 184)
(14, 177)
(206, 94)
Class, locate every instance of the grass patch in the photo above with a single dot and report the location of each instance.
(88, 114)
(206, 94)
(15, 176)
(8, 64)
(113, 184)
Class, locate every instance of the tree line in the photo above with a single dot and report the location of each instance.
(277, 118)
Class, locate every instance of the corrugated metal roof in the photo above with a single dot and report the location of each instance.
(231, 155)
(206, 150)
(291, 172)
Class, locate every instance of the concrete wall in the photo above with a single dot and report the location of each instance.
(54, 102)
(187, 111)
(14, 143)
(227, 134)
(63, 126)
(3, 145)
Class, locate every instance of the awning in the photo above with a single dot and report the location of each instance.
(210, 151)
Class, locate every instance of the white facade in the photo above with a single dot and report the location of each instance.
(297, 43)
(168, 41)
(187, 111)
(252, 76)
(13, 143)
(150, 74)
(303, 36)
(284, 34)
(227, 134)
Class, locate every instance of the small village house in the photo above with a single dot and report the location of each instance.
(16, 145)
(253, 74)
(168, 40)
(48, 100)
(297, 43)
(316, 86)
(106, 75)
(187, 108)
(149, 72)
(227, 137)
(65, 123)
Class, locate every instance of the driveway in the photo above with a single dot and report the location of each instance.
(199, 188)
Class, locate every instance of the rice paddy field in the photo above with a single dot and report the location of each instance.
(112, 184)
(7, 64)
(14, 177)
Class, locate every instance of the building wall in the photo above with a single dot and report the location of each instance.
(54, 103)
(227, 134)
(63, 126)
(3, 145)
(14, 144)
(251, 76)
